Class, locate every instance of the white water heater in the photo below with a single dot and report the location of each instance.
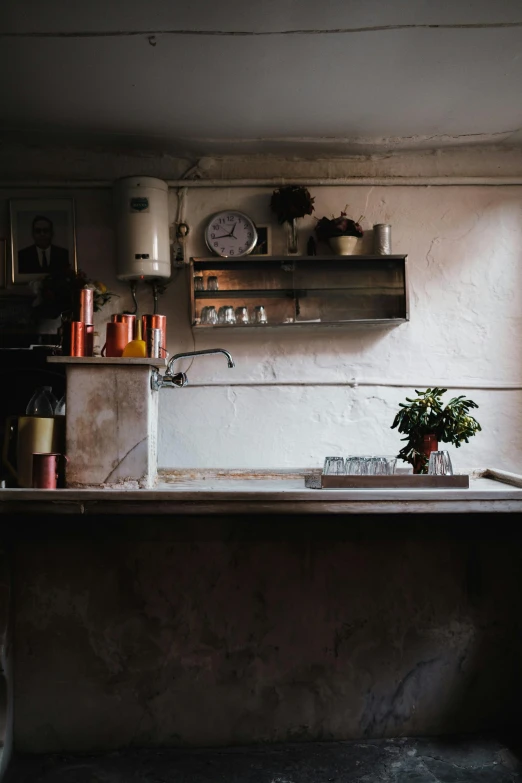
(142, 228)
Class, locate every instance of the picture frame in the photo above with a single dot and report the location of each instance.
(43, 238)
(263, 246)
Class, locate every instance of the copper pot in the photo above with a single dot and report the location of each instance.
(86, 307)
(78, 332)
(48, 470)
(129, 319)
(116, 339)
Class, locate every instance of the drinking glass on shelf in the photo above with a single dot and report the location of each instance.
(212, 283)
(391, 463)
(440, 464)
(242, 316)
(381, 465)
(260, 314)
(377, 466)
(199, 283)
(210, 316)
(334, 466)
(226, 315)
(203, 315)
(357, 466)
(230, 316)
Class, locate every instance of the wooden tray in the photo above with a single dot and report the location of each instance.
(396, 481)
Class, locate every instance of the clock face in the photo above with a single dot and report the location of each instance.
(231, 233)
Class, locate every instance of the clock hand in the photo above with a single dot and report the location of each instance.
(231, 234)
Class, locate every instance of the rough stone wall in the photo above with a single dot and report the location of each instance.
(295, 397)
(146, 632)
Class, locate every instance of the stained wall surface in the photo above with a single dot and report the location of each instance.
(185, 632)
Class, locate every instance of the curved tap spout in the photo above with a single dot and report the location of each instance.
(190, 354)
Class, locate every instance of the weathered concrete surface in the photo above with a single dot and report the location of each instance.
(388, 761)
(172, 632)
(111, 426)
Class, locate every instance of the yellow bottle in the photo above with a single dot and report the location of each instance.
(137, 347)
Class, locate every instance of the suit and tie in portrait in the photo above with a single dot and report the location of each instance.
(43, 257)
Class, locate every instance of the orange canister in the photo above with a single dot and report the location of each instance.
(86, 306)
(116, 339)
(129, 319)
(77, 338)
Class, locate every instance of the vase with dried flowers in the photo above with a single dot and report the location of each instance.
(341, 232)
(290, 203)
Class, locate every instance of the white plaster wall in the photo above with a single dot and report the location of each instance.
(464, 247)
(296, 396)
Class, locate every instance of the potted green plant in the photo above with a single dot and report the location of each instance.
(341, 232)
(289, 203)
(426, 421)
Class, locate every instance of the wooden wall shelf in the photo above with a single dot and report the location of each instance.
(303, 290)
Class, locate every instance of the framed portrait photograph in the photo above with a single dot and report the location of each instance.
(263, 246)
(43, 238)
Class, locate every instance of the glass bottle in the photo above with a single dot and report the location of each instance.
(40, 403)
(60, 407)
(51, 396)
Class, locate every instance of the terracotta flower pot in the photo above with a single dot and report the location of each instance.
(429, 444)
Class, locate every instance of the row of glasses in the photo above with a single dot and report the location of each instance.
(226, 315)
(212, 283)
(360, 466)
(439, 465)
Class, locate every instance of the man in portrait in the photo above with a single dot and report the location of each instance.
(42, 257)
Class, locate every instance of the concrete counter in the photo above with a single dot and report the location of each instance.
(220, 609)
(264, 492)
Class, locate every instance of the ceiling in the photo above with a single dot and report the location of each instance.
(295, 77)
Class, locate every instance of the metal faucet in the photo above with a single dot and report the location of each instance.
(179, 379)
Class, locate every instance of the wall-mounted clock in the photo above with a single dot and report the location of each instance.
(230, 234)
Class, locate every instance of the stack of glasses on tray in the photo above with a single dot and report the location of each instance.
(360, 466)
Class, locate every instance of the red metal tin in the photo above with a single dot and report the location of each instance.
(155, 321)
(77, 338)
(86, 306)
(116, 339)
(45, 470)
